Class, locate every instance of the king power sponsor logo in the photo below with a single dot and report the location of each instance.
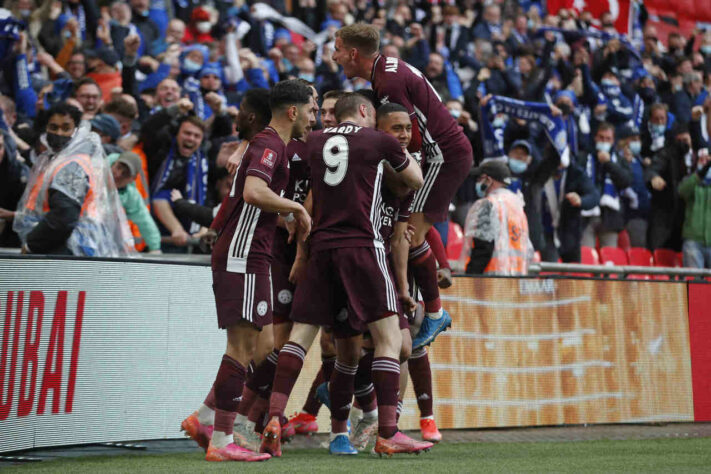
(50, 390)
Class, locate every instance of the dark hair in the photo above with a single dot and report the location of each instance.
(605, 126)
(82, 82)
(387, 109)
(192, 119)
(334, 94)
(287, 93)
(348, 105)
(63, 108)
(257, 100)
(370, 95)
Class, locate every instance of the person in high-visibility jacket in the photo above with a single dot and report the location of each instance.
(70, 205)
(496, 226)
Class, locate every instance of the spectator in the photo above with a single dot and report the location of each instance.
(496, 226)
(67, 207)
(125, 167)
(636, 197)
(13, 177)
(147, 29)
(668, 168)
(610, 174)
(103, 69)
(109, 130)
(695, 190)
(184, 168)
(685, 98)
(89, 95)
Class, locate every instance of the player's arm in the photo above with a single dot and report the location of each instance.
(399, 250)
(411, 174)
(302, 248)
(257, 193)
(416, 139)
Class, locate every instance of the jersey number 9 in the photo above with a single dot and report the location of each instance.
(335, 155)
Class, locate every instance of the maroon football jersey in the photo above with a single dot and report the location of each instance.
(296, 190)
(396, 81)
(393, 210)
(245, 243)
(346, 177)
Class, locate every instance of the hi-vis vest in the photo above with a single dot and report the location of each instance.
(38, 199)
(511, 246)
(142, 185)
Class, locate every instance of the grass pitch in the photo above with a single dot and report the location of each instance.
(655, 455)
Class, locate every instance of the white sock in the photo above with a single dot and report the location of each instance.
(333, 436)
(206, 415)
(427, 417)
(435, 315)
(240, 419)
(370, 415)
(220, 439)
(249, 425)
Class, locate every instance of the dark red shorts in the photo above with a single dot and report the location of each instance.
(242, 297)
(442, 180)
(355, 279)
(283, 291)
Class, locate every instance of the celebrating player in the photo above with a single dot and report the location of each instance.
(347, 270)
(241, 257)
(447, 154)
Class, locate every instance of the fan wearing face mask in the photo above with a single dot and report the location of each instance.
(635, 198)
(199, 28)
(496, 227)
(669, 166)
(610, 174)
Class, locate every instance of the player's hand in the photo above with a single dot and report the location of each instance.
(409, 233)
(303, 224)
(235, 157)
(180, 237)
(408, 303)
(297, 270)
(209, 238)
(290, 226)
(573, 199)
(658, 183)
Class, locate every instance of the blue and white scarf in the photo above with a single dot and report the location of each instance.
(555, 127)
(601, 35)
(610, 198)
(195, 173)
(81, 18)
(492, 137)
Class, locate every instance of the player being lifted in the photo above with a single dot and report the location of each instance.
(242, 254)
(446, 152)
(347, 269)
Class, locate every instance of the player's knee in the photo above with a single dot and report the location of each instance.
(406, 346)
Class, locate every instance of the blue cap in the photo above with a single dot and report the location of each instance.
(107, 125)
(211, 68)
(198, 47)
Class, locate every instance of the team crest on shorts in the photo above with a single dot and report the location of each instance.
(262, 308)
(285, 296)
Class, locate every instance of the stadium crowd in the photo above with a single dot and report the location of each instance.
(161, 83)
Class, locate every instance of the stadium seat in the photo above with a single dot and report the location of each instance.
(589, 256)
(666, 258)
(623, 241)
(640, 257)
(455, 241)
(613, 256)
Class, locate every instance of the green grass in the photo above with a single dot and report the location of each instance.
(659, 455)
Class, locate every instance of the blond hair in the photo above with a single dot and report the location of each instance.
(365, 38)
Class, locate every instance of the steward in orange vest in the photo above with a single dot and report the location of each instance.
(70, 205)
(496, 227)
